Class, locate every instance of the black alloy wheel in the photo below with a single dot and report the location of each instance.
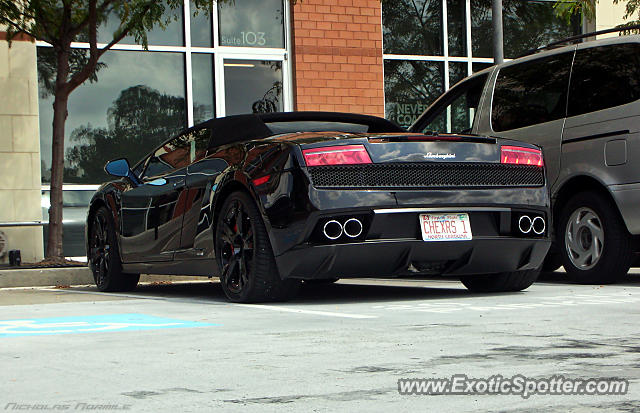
(247, 268)
(104, 258)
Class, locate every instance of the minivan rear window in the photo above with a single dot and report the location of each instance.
(531, 92)
(604, 77)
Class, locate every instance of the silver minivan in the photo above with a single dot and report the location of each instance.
(581, 104)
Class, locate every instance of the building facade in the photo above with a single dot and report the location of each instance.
(389, 58)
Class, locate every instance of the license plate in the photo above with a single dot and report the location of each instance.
(445, 227)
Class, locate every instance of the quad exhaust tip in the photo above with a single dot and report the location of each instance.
(526, 225)
(352, 228)
(333, 229)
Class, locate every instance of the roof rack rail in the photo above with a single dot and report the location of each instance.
(579, 37)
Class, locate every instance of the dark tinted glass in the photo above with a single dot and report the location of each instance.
(137, 102)
(477, 67)
(171, 35)
(457, 113)
(457, 72)
(252, 86)
(532, 92)
(527, 25)
(251, 23)
(410, 87)
(175, 154)
(412, 27)
(203, 93)
(201, 33)
(456, 27)
(604, 77)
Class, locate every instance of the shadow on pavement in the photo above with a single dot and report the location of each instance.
(312, 294)
(560, 277)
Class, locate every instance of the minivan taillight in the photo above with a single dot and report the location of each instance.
(517, 155)
(336, 155)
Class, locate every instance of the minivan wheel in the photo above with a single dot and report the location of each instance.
(596, 243)
(104, 257)
(248, 271)
(502, 282)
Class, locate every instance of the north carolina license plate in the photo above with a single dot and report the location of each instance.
(445, 227)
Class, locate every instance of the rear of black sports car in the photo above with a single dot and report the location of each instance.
(266, 200)
(397, 205)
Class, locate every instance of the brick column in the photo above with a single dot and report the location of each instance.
(338, 56)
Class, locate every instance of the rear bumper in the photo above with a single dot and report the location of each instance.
(482, 255)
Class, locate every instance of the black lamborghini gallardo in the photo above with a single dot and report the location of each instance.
(265, 201)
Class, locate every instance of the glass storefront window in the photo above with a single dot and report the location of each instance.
(480, 66)
(172, 35)
(201, 29)
(527, 25)
(410, 87)
(203, 87)
(456, 27)
(412, 27)
(252, 86)
(457, 72)
(137, 102)
(251, 23)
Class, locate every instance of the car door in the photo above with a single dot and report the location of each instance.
(602, 131)
(196, 240)
(152, 212)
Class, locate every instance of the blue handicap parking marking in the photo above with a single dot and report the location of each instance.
(91, 324)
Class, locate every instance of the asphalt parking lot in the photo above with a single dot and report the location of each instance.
(183, 347)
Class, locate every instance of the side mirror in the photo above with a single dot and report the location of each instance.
(120, 167)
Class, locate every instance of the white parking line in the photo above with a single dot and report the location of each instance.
(196, 301)
(299, 311)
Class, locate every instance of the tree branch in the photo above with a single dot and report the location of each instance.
(101, 11)
(94, 52)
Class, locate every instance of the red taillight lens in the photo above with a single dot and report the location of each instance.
(262, 180)
(336, 155)
(517, 155)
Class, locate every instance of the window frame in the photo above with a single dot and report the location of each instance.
(448, 97)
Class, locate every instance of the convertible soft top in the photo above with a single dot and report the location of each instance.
(242, 128)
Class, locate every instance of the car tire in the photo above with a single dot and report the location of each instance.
(502, 282)
(247, 267)
(104, 255)
(596, 246)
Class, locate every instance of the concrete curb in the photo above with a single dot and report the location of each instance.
(40, 277)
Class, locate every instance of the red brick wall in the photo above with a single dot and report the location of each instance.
(338, 56)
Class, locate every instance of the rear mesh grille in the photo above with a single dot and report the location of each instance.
(426, 175)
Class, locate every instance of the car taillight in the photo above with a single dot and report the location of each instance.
(517, 155)
(336, 155)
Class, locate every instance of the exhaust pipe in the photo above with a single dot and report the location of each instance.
(538, 225)
(525, 224)
(332, 229)
(352, 228)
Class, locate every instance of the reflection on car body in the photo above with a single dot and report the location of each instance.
(320, 196)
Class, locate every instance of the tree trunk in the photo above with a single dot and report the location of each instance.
(54, 242)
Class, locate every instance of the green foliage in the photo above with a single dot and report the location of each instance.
(61, 21)
(567, 9)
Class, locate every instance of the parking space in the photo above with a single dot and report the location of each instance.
(341, 346)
